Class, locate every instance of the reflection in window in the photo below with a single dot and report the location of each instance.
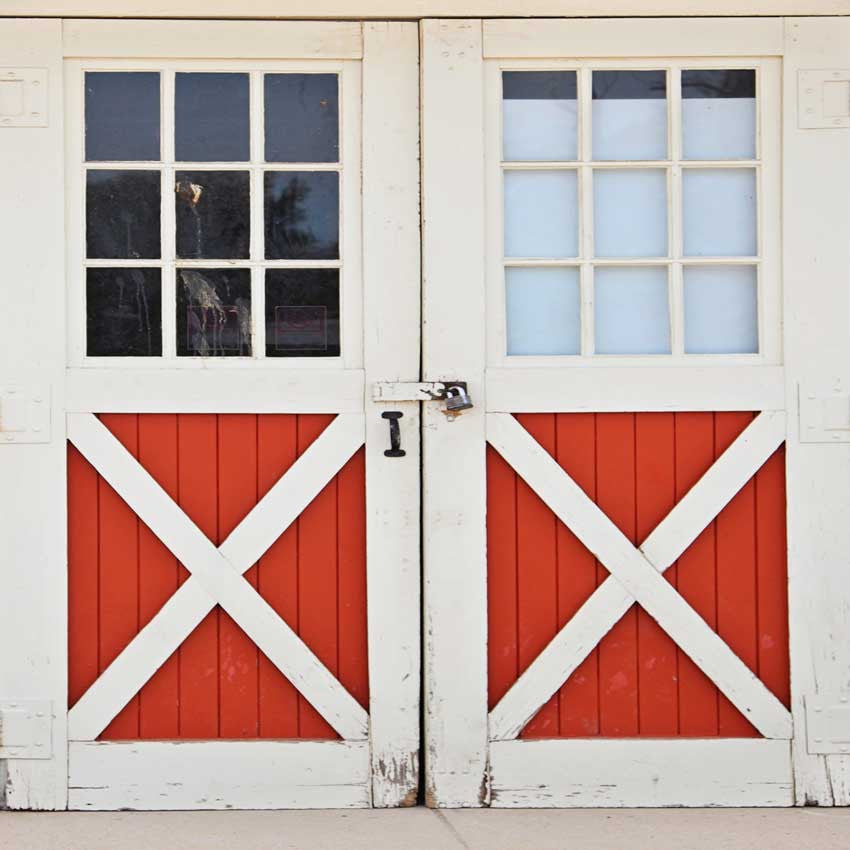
(301, 117)
(302, 313)
(214, 312)
(302, 215)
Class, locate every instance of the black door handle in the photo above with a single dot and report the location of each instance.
(395, 449)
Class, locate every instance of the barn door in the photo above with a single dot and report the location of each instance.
(605, 546)
(242, 582)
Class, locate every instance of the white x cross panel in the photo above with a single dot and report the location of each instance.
(216, 576)
(636, 575)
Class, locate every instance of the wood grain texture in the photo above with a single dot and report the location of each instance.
(637, 682)
(217, 684)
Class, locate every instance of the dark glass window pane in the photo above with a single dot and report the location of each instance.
(629, 85)
(123, 313)
(302, 117)
(211, 118)
(302, 215)
(122, 116)
(122, 215)
(213, 312)
(718, 83)
(213, 215)
(302, 312)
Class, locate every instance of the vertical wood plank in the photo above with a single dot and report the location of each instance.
(537, 574)
(277, 450)
(502, 643)
(83, 614)
(696, 575)
(238, 655)
(577, 575)
(615, 460)
(118, 598)
(197, 441)
(658, 702)
(317, 580)
(736, 576)
(159, 576)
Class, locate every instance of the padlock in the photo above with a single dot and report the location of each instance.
(457, 399)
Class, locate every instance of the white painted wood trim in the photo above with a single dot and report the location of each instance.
(218, 572)
(638, 576)
(33, 493)
(218, 775)
(607, 389)
(641, 773)
(391, 255)
(454, 498)
(606, 605)
(339, 9)
(556, 39)
(212, 39)
(214, 391)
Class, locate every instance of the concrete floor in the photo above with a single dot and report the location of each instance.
(424, 829)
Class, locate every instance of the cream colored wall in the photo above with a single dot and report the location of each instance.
(413, 8)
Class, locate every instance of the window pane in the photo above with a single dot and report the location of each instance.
(302, 117)
(630, 213)
(543, 311)
(122, 215)
(302, 215)
(719, 212)
(719, 114)
(123, 313)
(211, 118)
(631, 311)
(539, 115)
(213, 215)
(302, 313)
(122, 116)
(541, 214)
(213, 312)
(721, 310)
(629, 115)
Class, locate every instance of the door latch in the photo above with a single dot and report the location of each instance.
(454, 394)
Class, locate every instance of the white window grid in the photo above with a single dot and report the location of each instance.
(766, 165)
(347, 167)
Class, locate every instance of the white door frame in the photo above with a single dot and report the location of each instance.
(377, 762)
(471, 758)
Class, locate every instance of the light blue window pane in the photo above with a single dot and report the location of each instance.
(719, 212)
(541, 214)
(631, 313)
(719, 128)
(543, 311)
(721, 310)
(630, 213)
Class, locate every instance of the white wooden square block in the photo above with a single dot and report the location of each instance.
(26, 729)
(828, 723)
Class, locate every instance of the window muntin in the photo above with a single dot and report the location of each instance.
(218, 197)
(670, 176)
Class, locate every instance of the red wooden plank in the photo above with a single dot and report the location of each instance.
(119, 576)
(197, 441)
(317, 579)
(577, 575)
(351, 522)
(696, 575)
(83, 620)
(736, 575)
(159, 576)
(615, 464)
(773, 662)
(501, 577)
(537, 574)
(655, 494)
(237, 494)
(277, 440)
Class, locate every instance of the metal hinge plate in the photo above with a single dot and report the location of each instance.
(23, 97)
(26, 729)
(825, 412)
(24, 414)
(828, 723)
(823, 99)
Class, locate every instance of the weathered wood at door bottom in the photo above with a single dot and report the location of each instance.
(648, 772)
(218, 775)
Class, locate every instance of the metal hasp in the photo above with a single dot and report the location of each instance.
(395, 449)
